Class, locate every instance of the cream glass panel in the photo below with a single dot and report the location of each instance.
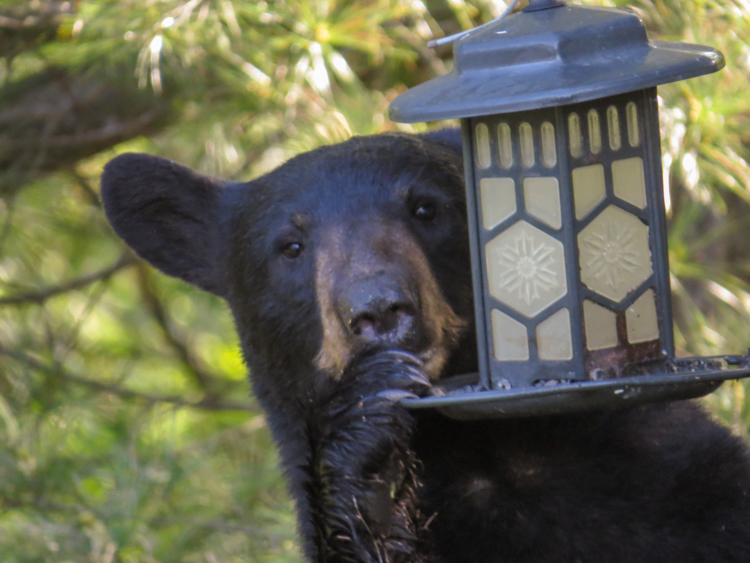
(526, 269)
(505, 145)
(600, 325)
(498, 197)
(553, 339)
(542, 196)
(595, 132)
(588, 188)
(527, 145)
(574, 134)
(613, 128)
(614, 253)
(631, 113)
(629, 182)
(483, 145)
(509, 338)
(641, 319)
(549, 150)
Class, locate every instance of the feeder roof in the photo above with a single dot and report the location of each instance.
(550, 57)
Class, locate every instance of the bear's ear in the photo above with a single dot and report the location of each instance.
(168, 214)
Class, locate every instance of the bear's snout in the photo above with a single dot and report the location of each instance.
(380, 308)
(375, 289)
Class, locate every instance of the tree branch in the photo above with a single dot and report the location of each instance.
(206, 403)
(110, 133)
(173, 336)
(90, 192)
(30, 24)
(40, 296)
(54, 118)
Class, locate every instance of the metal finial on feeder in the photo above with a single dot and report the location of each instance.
(451, 38)
(566, 212)
(535, 5)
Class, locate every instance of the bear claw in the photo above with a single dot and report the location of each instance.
(396, 395)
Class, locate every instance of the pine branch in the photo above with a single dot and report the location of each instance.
(40, 296)
(29, 24)
(174, 337)
(206, 403)
(53, 119)
(109, 133)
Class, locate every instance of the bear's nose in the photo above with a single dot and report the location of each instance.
(379, 309)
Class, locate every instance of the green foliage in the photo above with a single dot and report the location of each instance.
(127, 428)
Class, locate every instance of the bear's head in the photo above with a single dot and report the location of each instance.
(341, 250)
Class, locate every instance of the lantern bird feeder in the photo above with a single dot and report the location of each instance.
(566, 212)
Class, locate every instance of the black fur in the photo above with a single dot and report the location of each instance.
(373, 482)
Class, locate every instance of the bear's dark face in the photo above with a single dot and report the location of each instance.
(346, 248)
(341, 266)
(341, 250)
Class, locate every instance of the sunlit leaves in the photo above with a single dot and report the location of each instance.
(127, 428)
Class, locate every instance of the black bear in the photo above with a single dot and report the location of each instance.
(347, 272)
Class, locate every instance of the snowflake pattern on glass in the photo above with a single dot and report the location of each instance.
(526, 268)
(528, 265)
(610, 253)
(615, 255)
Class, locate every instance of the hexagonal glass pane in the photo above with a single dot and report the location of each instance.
(614, 253)
(526, 269)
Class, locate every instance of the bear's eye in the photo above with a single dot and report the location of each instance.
(292, 250)
(424, 211)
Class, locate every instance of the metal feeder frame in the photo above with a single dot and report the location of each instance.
(566, 213)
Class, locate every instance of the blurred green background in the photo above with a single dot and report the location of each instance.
(128, 432)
